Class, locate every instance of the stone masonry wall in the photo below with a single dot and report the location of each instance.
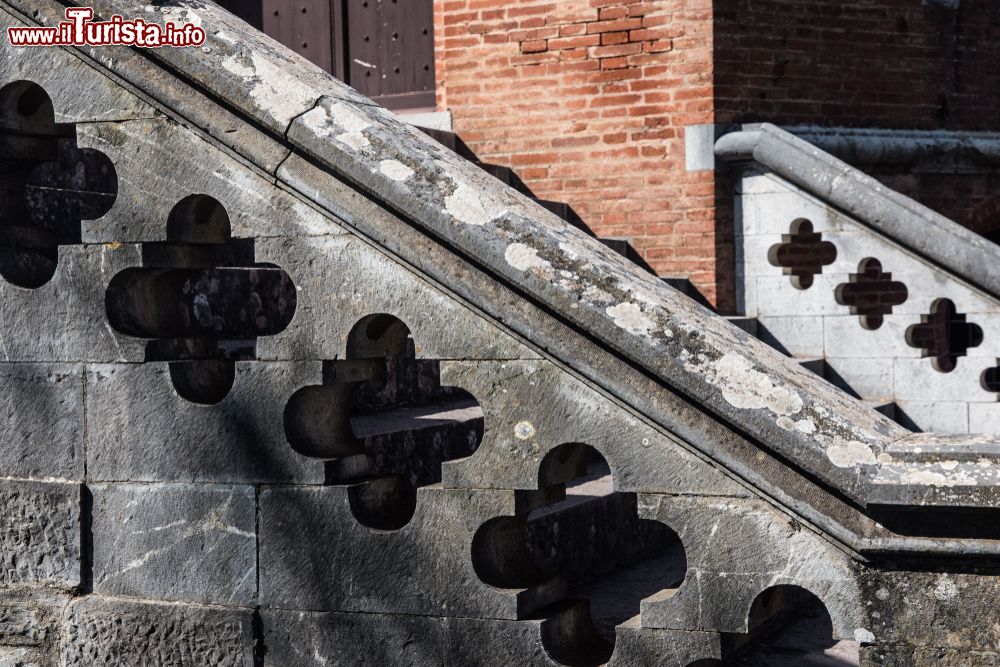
(587, 101)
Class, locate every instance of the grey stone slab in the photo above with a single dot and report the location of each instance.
(737, 549)
(916, 380)
(30, 621)
(102, 631)
(40, 534)
(43, 408)
(845, 338)
(342, 280)
(943, 417)
(175, 542)
(266, 80)
(797, 336)
(530, 408)
(984, 418)
(64, 320)
(973, 257)
(870, 378)
(79, 91)
(159, 163)
(483, 643)
(310, 639)
(316, 556)
(141, 430)
(946, 610)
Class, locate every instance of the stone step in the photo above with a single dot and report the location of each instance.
(559, 208)
(748, 324)
(817, 365)
(887, 408)
(499, 172)
(683, 284)
(416, 418)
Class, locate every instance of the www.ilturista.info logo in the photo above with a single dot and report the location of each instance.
(79, 29)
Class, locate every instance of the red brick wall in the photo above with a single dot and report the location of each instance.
(877, 63)
(587, 100)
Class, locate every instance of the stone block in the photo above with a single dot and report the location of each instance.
(776, 297)
(79, 90)
(316, 556)
(531, 407)
(141, 430)
(955, 611)
(917, 380)
(99, 631)
(935, 416)
(737, 549)
(872, 379)
(43, 434)
(30, 622)
(797, 336)
(844, 338)
(310, 639)
(40, 534)
(332, 298)
(984, 417)
(159, 163)
(192, 543)
(64, 320)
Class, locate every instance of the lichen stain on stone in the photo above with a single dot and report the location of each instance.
(473, 205)
(850, 453)
(273, 91)
(933, 478)
(354, 140)
(523, 257)
(395, 170)
(524, 430)
(629, 316)
(745, 387)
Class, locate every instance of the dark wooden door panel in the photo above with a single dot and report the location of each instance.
(390, 50)
(305, 26)
(248, 10)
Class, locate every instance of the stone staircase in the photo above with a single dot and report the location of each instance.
(623, 247)
(316, 390)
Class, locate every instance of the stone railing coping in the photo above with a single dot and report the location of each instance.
(944, 242)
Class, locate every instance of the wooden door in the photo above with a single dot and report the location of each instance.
(383, 48)
(389, 54)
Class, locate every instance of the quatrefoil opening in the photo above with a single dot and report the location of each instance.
(201, 299)
(583, 555)
(871, 294)
(382, 423)
(802, 253)
(48, 185)
(944, 335)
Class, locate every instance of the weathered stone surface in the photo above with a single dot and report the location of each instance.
(175, 542)
(332, 299)
(78, 89)
(43, 408)
(952, 612)
(141, 430)
(314, 555)
(906, 656)
(159, 163)
(308, 639)
(737, 549)
(40, 534)
(531, 407)
(64, 319)
(97, 631)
